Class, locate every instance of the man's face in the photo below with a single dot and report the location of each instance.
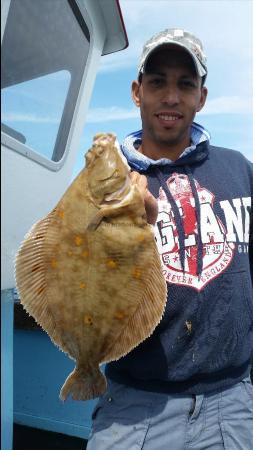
(169, 96)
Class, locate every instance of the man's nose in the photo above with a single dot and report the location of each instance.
(171, 96)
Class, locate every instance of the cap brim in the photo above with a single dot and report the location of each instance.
(200, 69)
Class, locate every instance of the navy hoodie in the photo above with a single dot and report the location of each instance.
(204, 228)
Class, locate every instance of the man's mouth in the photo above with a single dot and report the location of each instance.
(169, 117)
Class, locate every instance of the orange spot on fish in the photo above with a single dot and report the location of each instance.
(60, 213)
(137, 273)
(54, 263)
(119, 315)
(85, 254)
(88, 319)
(82, 285)
(111, 263)
(78, 240)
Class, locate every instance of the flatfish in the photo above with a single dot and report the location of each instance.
(90, 273)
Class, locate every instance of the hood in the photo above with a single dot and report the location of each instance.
(197, 151)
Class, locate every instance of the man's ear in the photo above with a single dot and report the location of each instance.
(136, 93)
(203, 97)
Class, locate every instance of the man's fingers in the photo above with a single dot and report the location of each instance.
(150, 201)
(151, 207)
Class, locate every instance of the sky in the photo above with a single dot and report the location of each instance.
(225, 29)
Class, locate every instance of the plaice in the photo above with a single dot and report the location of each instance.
(89, 272)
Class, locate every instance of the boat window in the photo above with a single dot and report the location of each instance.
(44, 53)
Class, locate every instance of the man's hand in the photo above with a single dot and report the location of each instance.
(150, 202)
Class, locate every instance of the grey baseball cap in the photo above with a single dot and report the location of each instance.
(182, 38)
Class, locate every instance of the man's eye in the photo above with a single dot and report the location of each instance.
(156, 82)
(187, 83)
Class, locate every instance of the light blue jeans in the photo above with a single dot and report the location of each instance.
(130, 419)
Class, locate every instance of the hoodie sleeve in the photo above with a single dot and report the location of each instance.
(251, 222)
(251, 244)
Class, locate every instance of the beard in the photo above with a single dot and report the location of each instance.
(169, 137)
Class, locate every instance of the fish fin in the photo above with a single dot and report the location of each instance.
(95, 221)
(101, 214)
(84, 384)
(148, 314)
(30, 275)
(127, 205)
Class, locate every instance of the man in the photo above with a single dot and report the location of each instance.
(187, 385)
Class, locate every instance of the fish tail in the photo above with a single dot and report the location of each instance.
(84, 384)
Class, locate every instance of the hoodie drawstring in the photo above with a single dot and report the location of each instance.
(197, 212)
(178, 218)
(179, 221)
